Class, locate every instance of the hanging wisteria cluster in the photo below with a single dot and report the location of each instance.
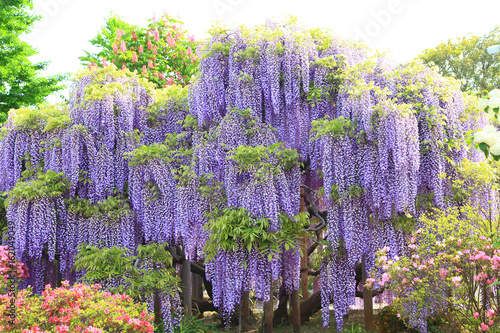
(68, 177)
(263, 178)
(382, 136)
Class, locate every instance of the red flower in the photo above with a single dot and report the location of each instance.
(141, 49)
(115, 48)
(150, 45)
(134, 36)
(123, 47)
(123, 66)
(144, 70)
(134, 57)
(150, 63)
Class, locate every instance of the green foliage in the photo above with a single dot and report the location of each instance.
(162, 63)
(46, 184)
(236, 229)
(263, 161)
(335, 65)
(387, 321)
(355, 191)
(171, 150)
(115, 207)
(467, 60)
(137, 280)
(79, 309)
(45, 117)
(170, 99)
(337, 127)
(100, 84)
(194, 325)
(20, 81)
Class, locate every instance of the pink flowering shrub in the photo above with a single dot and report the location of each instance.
(10, 270)
(80, 308)
(163, 52)
(450, 270)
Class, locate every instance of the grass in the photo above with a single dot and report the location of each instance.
(353, 324)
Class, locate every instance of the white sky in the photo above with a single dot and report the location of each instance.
(405, 27)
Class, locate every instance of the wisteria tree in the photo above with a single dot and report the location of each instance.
(215, 170)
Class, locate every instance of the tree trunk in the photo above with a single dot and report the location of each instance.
(367, 301)
(268, 314)
(245, 311)
(280, 315)
(187, 287)
(310, 306)
(295, 303)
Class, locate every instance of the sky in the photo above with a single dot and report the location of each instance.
(403, 27)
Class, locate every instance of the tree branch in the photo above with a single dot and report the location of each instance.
(313, 210)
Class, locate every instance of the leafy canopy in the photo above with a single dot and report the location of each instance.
(466, 58)
(20, 80)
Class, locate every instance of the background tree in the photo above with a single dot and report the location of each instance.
(162, 52)
(20, 80)
(466, 58)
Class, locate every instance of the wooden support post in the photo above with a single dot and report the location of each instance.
(295, 316)
(197, 290)
(304, 276)
(187, 287)
(367, 301)
(245, 311)
(268, 314)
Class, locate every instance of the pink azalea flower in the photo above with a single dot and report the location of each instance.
(484, 327)
(456, 280)
(476, 315)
